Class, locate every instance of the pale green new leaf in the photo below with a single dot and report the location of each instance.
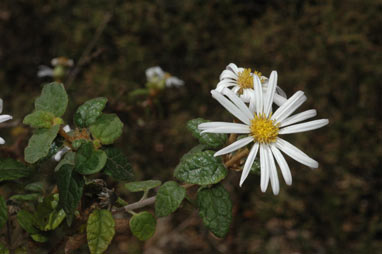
(107, 128)
(143, 225)
(39, 119)
(100, 231)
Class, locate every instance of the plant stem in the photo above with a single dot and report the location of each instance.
(236, 158)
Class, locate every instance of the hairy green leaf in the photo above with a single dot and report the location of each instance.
(70, 186)
(88, 112)
(26, 221)
(39, 144)
(107, 128)
(117, 165)
(88, 160)
(53, 99)
(35, 187)
(11, 169)
(26, 197)
(201, 168)
(47, 216)
(143, 225)
(39, 119)
(210, 140)
(39, 238)
(169, 197)
(100, 231)
(215, 208)
(142, 185)
(3, 212)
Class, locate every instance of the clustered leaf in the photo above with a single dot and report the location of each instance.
(143, 225)
(11, 169)
(26, 221)
(88, 112)
(169, 197)
(39, 119)
(39, 144)
(107, 128)
(70, 185)
(201, 168)
(142, 185)
(117, 165)
(210, 140)
(88, 160)
(215, 208)
(53, 99)
(100, 230)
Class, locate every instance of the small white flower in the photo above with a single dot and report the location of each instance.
(65, 149)
(264, 130)
(3, 118)
(44, 71)
(241, 82)
(155, 73)
(174, 81)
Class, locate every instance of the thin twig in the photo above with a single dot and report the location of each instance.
(85, 54)
(236, 158)
(136, 205)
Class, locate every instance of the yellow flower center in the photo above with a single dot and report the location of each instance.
(245, 79)
(263, 129)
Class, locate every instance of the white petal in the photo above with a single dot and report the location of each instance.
(223, 84)
(239, 103)
(234, 146)
(59, 154)
(264, 169)
(2, 141)
(230, 107)
(299, 117)
(273, 172)
(279, 100)
(289, 106)
(268, 98)
(1, 105)
(312, 125)
(258, 94)
(67, 128)
(233, 129)
(285, 171)
(296, 153)
(281, 92)
(233, 67)
(228, 74)
(252, 103)
(207, 125)
(4, 118)
(248, 163)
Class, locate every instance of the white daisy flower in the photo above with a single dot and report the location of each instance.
(240, 81)
(65, 149)
(264, 129)
(156, 74)
(44, 71)
(3, 118)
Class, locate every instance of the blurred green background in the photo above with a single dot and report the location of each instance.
(329, 49)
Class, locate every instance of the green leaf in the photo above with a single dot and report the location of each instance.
(117, 165)
(201, 168)
(88, 112)
(26, 197)
(210, 140)
(143, 225)
(39, 119)
(3, 249)
(195, 149)
(169, 197)
(11, 169)
(88, 160)
(53, 99)
(107, 128)
(26, 221)
(3, 212)
(215, 208)
(39, 144)
(100, 231)
(70, 186)
(142, 185)
(35, 187)
(47, 216)
(69, 158)
(39, 238)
